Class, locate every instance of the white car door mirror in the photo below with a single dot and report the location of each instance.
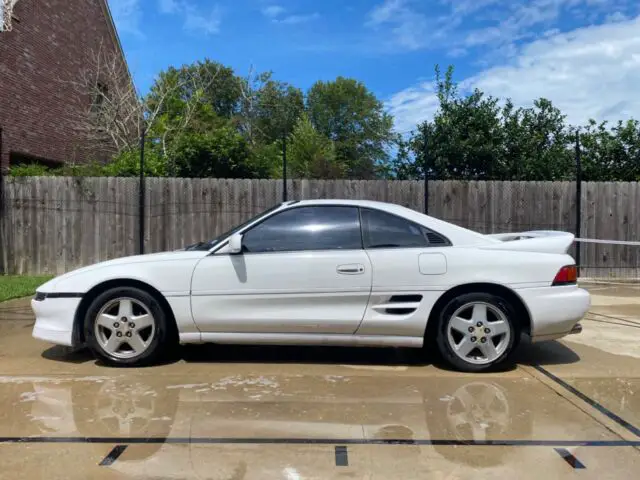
(235, 243)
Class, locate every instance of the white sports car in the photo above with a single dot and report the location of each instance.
(325, 272)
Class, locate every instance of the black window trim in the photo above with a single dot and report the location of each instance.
(411, 222)
(268, 214)
(294, 207)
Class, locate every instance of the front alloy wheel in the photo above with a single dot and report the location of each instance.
(127, 326)
(124, 327)
(477, 331)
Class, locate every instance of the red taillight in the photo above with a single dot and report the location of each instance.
(567, 275)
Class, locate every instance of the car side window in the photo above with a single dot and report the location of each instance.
(384, 230)
(306, 228)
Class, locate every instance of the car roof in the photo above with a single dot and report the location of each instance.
(386, 206)
(339, 201)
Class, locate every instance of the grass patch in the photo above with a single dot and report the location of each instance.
(16, 286)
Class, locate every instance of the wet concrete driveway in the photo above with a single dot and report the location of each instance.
(569, 408)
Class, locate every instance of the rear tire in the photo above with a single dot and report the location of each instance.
(477, 332)
(127, 327)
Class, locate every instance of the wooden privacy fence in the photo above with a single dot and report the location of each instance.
(51, 225)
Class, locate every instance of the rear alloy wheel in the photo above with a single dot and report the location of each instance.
(126, 327)
(477, 332)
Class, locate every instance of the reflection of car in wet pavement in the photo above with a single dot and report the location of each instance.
(273, 408)
(325, 272)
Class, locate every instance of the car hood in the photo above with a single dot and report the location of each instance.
(133, 259)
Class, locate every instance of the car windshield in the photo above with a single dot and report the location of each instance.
(210, 243)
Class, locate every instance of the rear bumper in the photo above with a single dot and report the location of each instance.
(555, 311)
(54, 320)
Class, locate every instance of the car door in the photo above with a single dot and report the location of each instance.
(302, 270)
(409, 264)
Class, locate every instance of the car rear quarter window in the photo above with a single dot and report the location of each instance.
(306, 228)
(384, 230)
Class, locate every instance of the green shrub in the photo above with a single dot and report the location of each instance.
(30, 170)
(127, 164)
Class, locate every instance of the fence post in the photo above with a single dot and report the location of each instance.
(578, 199)
(426, 172)
(284, 166)
(141, 196)
(3, 236)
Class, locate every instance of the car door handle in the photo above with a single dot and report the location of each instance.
(351, 269)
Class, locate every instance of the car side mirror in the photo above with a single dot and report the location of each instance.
(235, 244)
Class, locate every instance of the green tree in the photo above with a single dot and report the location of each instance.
(611, 154)
(216, 84)
(311, 154)
(464, 139)
(279, 106)
(221, 153)
(266, 160)
(472, 137)
(348, 114)
(404, 165)
(268, 108)
(538, 143)
(206, 100)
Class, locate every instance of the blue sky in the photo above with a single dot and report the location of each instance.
(582, 54)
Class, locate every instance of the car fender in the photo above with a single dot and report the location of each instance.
(170, 275)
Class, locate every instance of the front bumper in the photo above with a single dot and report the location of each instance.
(555, 311)
(54, 319)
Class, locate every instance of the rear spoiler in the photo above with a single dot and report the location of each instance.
(543, 241)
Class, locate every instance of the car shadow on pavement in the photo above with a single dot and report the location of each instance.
(58, 353)
(547, 353)
(307, 355)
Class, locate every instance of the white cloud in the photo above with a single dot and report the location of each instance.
(490, 24)
(277, 15)
(408, 26)
(412, 106)
(127, 15)
(273, 11)
(616, 17)
(387, 11)
(206, 23)
(194, 19)
(466, 7)
(590, 72)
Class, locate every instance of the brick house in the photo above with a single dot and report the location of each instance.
(47, 48)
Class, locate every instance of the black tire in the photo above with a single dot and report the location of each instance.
(162, 343)
(445, 316)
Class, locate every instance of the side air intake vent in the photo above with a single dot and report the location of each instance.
(405, 299)
(435, 239)
(406, 304)
(400, 311)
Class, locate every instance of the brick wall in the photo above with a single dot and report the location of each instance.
(49, 44)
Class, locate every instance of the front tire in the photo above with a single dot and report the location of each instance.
(127, 327)
(477, 332)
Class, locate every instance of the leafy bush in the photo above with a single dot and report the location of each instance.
(71, 170)
(127, 164)
(220, 153)
(266, 161)
(29, 170)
